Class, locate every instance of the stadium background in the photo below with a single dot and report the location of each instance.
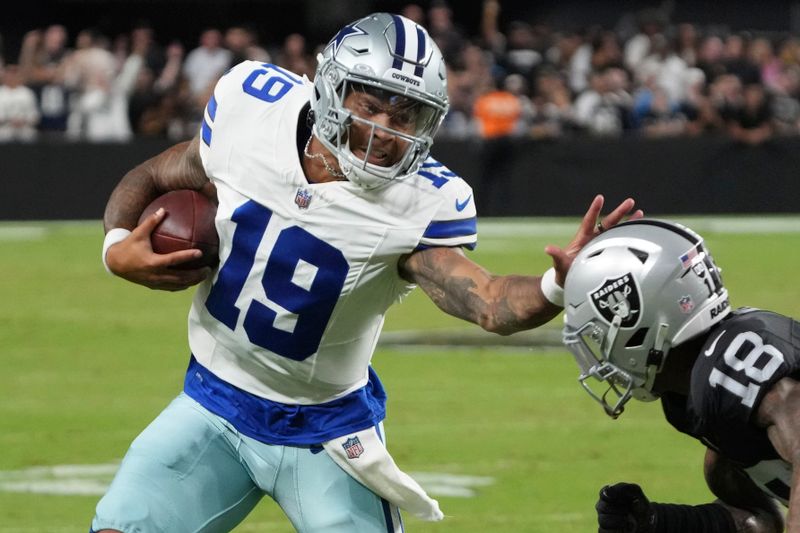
(496, 427)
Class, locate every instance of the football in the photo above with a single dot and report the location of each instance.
(189, 223)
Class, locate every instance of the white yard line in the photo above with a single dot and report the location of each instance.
(93, 480)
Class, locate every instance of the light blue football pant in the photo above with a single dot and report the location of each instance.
(191, 471)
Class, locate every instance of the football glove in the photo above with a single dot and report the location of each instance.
(623, 508)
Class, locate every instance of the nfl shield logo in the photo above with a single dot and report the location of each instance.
(302, 198)
(353, 448)
(686, 304)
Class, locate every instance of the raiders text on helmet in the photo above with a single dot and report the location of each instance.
(391, 55)
(631, 294)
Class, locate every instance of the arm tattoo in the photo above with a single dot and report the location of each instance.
(503, 304)
(178, 167)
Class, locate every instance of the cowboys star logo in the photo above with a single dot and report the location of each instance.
(344, 33)
(618, 297)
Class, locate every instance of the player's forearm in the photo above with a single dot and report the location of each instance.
(136, 189)
(178, 167)
(793, 515)
(515, 303)
(503, 305)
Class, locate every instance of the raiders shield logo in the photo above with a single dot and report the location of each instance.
(618, 297)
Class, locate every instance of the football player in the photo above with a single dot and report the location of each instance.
(726, 377)
(329, 210)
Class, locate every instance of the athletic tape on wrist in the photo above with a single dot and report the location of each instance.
(551, 289)
(113, 237)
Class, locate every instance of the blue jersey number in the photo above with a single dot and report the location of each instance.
(278, 82)
(312, 300)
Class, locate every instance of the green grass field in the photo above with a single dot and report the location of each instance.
(88, 360)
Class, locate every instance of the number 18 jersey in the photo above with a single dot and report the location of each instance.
(743, 357)
(307, 270)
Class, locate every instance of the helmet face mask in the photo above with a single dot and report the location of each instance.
(632, 293)
(364, 73)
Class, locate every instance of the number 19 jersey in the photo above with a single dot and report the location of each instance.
(307, 270)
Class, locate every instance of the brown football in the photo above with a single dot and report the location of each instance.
(189, 223)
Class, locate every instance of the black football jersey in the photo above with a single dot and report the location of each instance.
(743, 356)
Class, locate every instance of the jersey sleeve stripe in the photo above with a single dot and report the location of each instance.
(205, 132)
(451, 228)
(212, 108)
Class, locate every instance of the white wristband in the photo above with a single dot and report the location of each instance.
(113, 237)
(550, 289)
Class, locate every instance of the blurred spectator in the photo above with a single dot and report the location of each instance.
(206, 63)
(785, 100)
(520, 55)
(725, 93)
(144, 40)
(662, 118)
(242, 41)
(710, 57)
(604, 108)
(147, 112)
(606, 51)
(294, 57)
(696, 106)
(100, 113)
(415, 13)
(664, 67)
(467, 78)
(579, 64)
(18, 111)
(686, 43)
(552, 107)
(751, 123)
(42, 61)
(736, 61)
(652, 22)
(761, 55)
(499, 114)
(443, 30)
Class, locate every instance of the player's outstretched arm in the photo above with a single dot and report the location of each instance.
(501, 304)
(779, 412)
(132, 257)
(462, 288)
(624, 508)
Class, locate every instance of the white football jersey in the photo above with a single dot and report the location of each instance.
(307, 271)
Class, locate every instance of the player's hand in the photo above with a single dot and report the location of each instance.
(623, 508)
(135, 260)
(591, 226)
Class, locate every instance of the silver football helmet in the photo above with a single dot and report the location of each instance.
(631, 294)
(396, 60)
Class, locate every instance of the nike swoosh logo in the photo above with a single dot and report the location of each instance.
(713, 345)
(461, 205)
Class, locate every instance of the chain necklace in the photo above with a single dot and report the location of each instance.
(332, 171)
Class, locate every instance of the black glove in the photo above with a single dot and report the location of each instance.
(623, 508)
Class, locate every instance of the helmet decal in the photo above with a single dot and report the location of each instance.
(638, 289)
(394, 60)
(344, 33)
(618, 296)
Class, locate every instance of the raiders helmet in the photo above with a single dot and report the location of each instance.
(631, 294)
(390, 55)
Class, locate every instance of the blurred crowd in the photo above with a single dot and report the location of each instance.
(647, 76)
